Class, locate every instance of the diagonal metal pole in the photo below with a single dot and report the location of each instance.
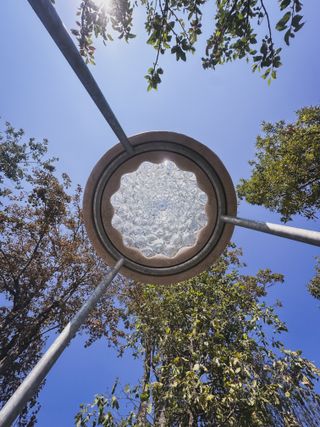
(50, 19)
(30, 385)
(293, 233)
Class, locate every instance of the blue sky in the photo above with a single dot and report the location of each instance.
(223, 109)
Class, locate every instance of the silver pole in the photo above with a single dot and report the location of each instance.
(50, 19)
(29, 386)
(293, 233)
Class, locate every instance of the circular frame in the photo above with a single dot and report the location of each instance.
(188, 155)
(113, 185)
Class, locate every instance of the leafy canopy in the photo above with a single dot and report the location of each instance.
(285, 177)
(211, 356)
(47, 265)
(240, 29)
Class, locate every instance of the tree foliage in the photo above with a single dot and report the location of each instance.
(285, 177)
(47, 266)
(314, 284)
(211, 357)
(240, 29)
(286, 171)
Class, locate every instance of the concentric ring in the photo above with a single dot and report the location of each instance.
(188, 154)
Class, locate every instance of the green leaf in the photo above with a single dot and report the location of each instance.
(296, 20)
(287, 37)
(144, 396)
(114, 402)
(284, 4)
(281, 25)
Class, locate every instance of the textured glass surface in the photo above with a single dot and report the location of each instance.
(159, 209)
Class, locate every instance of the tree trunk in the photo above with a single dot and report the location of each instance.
(143, 407)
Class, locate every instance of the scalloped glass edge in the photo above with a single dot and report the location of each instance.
(159, 209)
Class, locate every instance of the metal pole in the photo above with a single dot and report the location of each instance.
(25, 391)
(50, 19)
(306, 236)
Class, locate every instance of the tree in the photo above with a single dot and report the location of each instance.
(208, 359)
(286, 171)
(314, 284)
(47, 265)
(175, 26)
(285, 177)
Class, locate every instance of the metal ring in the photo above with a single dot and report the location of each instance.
(165, 142)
